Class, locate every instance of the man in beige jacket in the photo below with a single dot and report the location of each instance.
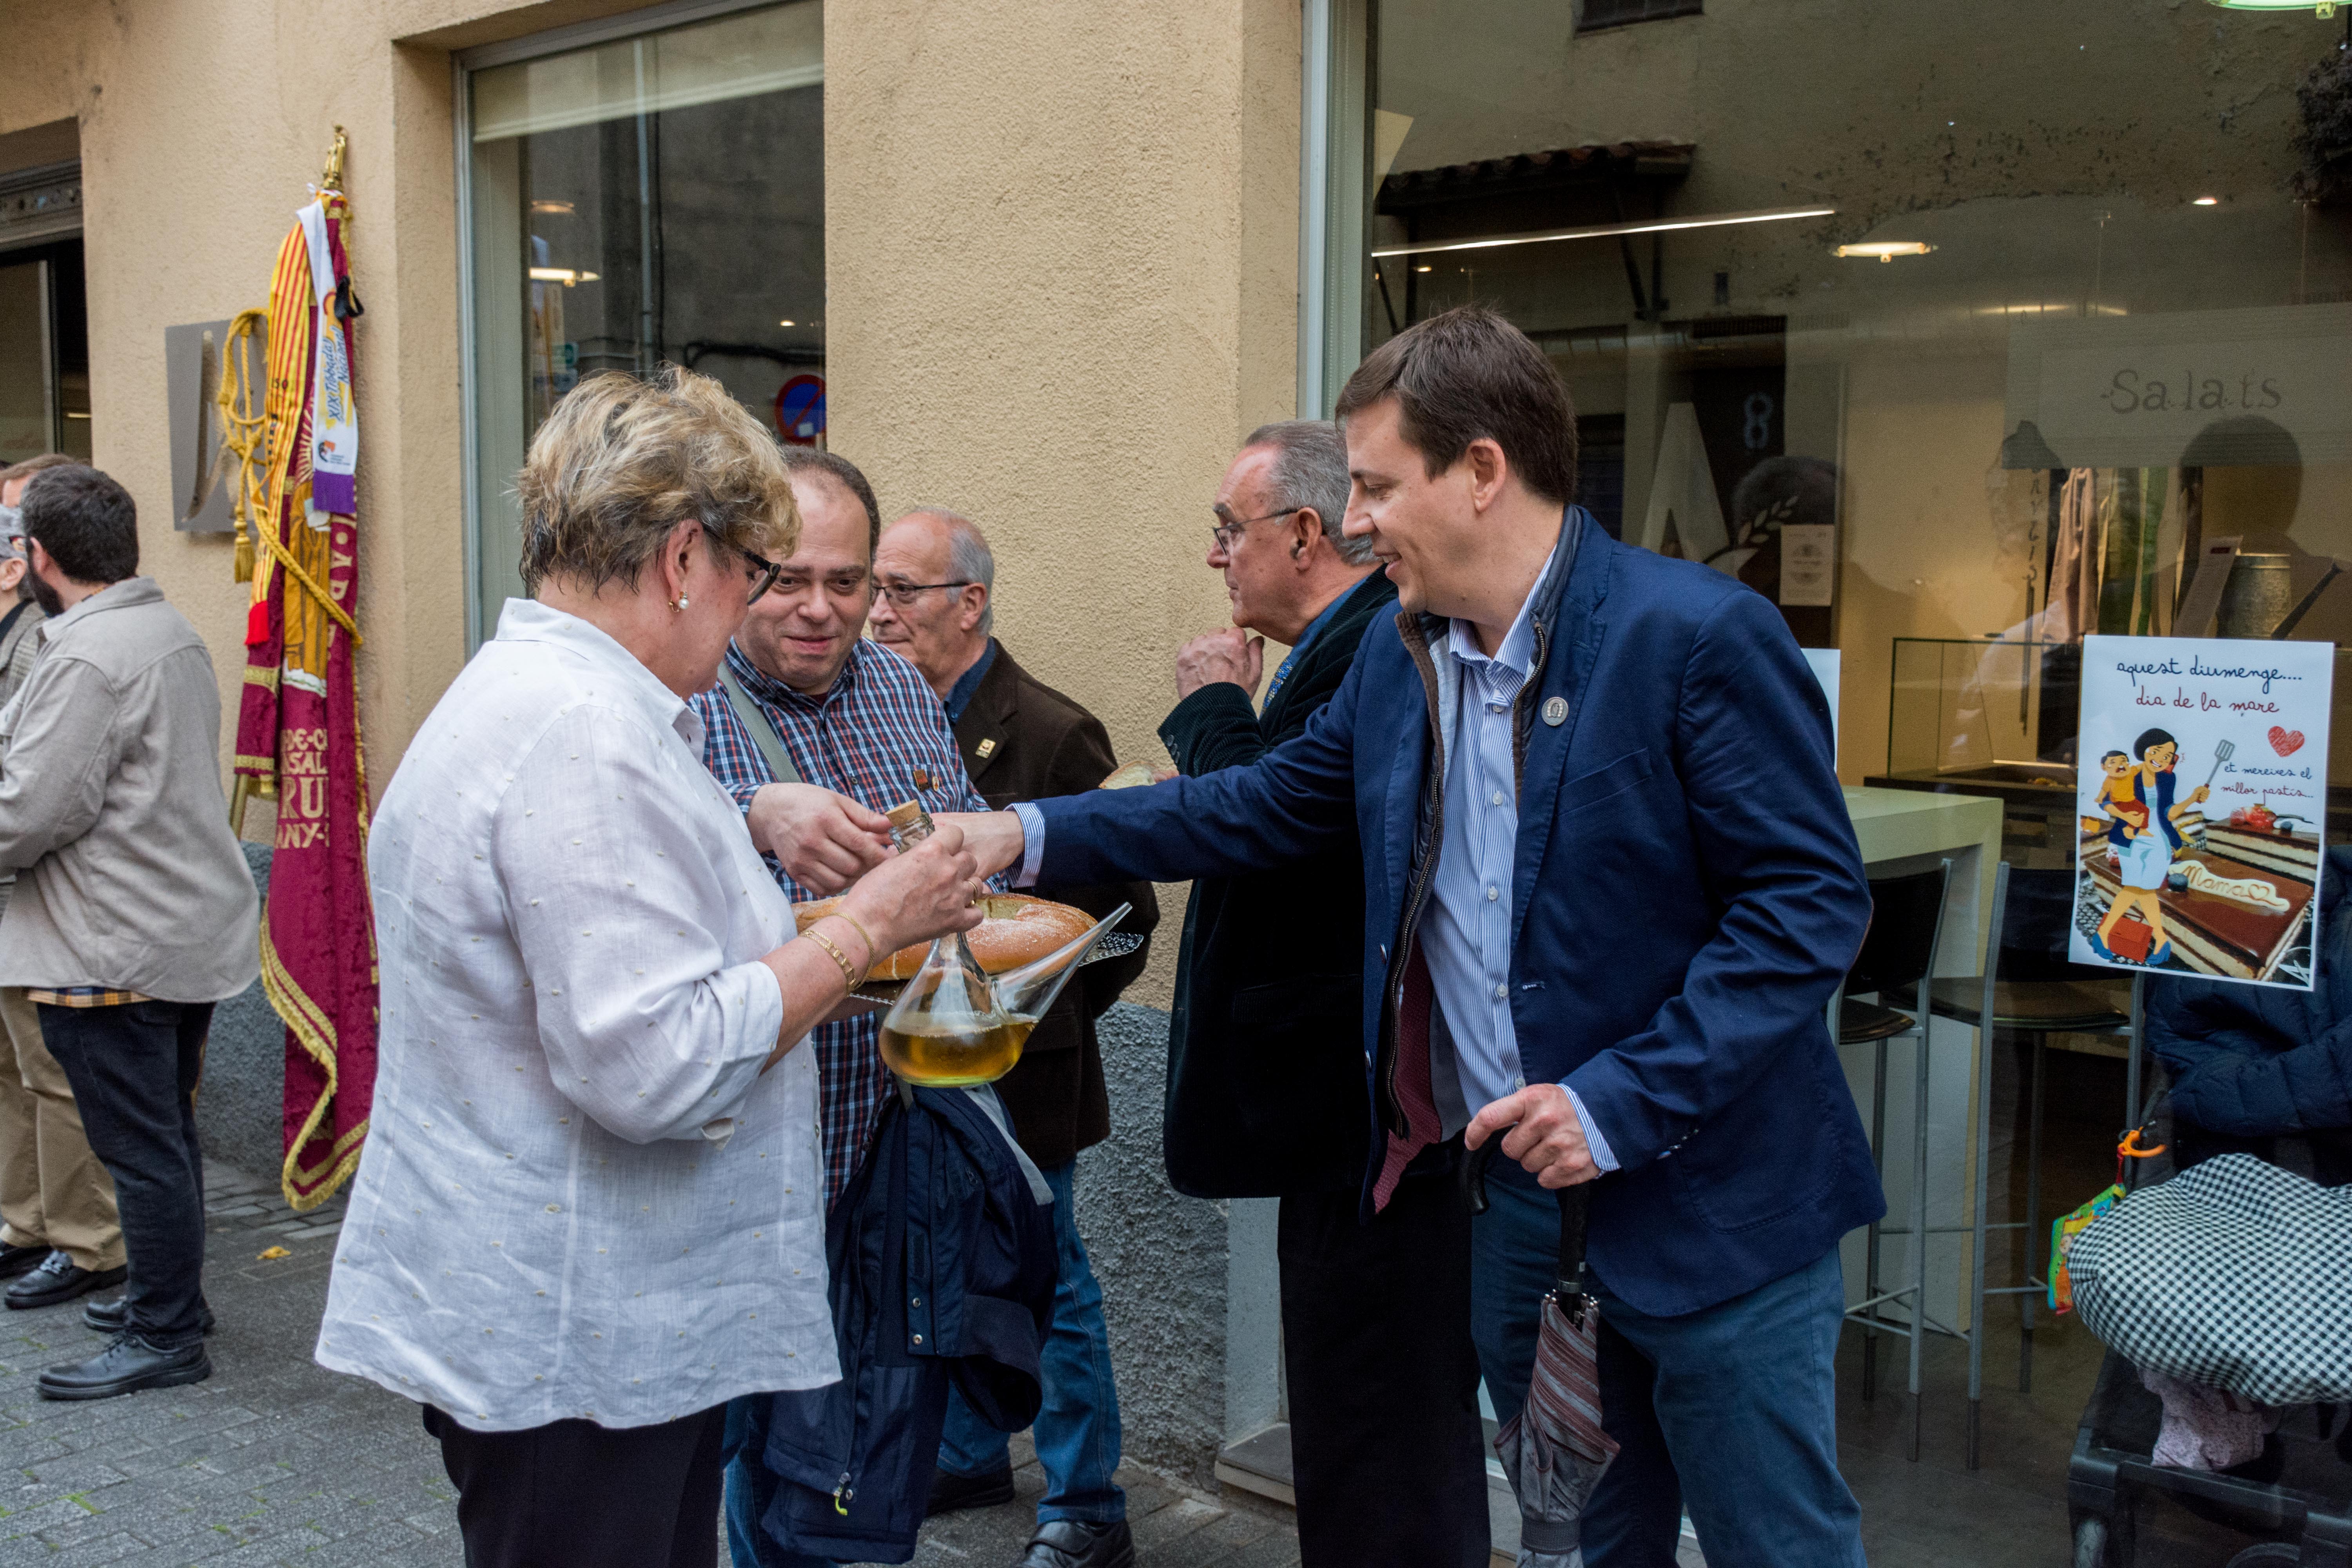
(57, 1201)
(133, 911)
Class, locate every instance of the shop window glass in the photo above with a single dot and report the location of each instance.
(651, 199)
(43, 353)
(1955, 333)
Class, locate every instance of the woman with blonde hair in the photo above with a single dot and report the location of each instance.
(589, 1211)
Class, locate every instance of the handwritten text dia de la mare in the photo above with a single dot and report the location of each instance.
(2202, 702)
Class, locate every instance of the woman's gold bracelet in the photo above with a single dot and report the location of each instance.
(848, 970)
(873, 953)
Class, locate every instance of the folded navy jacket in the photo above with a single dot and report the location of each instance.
(942, 1257)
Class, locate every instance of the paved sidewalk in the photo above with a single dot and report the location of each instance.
(275, 1460)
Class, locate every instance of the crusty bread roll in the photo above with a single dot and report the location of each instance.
(1018, 929)
(1135, 775)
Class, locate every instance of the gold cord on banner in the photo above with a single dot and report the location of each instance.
(335, 612)
(243, 421)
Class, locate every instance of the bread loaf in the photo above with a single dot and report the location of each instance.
(1017, 929)
(1135, 775)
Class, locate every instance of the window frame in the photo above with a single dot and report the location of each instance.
(463, 64)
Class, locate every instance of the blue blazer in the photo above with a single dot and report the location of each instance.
(1685, 897)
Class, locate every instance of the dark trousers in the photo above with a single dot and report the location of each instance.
(1387, 1450)
(573, 1494)
(134, 1067)
(1730, 1411)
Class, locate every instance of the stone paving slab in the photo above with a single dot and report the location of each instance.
(276, 1461)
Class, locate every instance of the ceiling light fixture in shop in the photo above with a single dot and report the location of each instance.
(2324, 8)
(1886, 249)
(1605, 230)
(563, 275)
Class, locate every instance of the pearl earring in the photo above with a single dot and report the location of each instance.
(678, 603)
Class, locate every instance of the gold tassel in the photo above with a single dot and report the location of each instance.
(243, 424)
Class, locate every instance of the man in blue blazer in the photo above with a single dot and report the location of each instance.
(1610, 887)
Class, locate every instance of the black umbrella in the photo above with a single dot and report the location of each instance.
(1554, 1450)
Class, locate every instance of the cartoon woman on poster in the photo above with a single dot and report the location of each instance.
(2144, 829)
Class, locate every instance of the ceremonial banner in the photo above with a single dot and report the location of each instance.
(2202, 791)
(297, 727)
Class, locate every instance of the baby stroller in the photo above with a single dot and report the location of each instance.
(2295, 1499)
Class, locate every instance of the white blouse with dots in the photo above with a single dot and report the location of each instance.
(580, 1196)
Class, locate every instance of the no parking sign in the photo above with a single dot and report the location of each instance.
(800, 410)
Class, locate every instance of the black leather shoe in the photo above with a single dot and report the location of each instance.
(951, 1492)
(113, 1317)
(126, 1365)
(58, 1280)
(15, 1260)
(1073, 1543)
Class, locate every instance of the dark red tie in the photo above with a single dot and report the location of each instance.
(1414, 1095)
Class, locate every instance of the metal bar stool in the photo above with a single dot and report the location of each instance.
(2029, 987)
(1907, 928)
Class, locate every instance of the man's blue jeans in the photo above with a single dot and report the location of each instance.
(1730, 1411)
(1078, 1430)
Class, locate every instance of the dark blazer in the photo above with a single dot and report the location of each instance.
(1686, 895)
(1265, 1063)
(1037, 741)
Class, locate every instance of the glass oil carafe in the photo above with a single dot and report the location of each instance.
(952, 1027)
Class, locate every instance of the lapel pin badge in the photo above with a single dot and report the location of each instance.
(986, 749)
(1554, 712)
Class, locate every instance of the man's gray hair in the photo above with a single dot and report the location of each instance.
(1310, 468)
(969, 558)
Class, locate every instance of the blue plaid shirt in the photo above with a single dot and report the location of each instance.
(866, 737)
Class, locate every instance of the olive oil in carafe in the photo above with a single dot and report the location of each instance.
(946, 1054)
(953, 1026)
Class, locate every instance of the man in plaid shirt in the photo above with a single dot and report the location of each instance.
(853, 718)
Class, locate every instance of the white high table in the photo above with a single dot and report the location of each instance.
(1898, 831)
(1901, 831)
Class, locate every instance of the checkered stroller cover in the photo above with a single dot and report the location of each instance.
(2235, 1274)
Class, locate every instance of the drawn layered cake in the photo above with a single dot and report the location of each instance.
(2235, 905)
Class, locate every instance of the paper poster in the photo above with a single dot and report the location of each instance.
(2203, 790)
(1808, 563)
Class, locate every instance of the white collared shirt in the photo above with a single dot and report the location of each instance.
(580, 1198)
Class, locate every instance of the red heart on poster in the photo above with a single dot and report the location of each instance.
(2285, 741)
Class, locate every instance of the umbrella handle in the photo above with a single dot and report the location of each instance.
(1471, 1174)
(1575, 1208)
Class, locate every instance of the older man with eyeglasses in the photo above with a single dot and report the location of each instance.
(815, 731)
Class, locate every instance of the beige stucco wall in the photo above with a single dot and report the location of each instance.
(1062, 257)
(1063, 280)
